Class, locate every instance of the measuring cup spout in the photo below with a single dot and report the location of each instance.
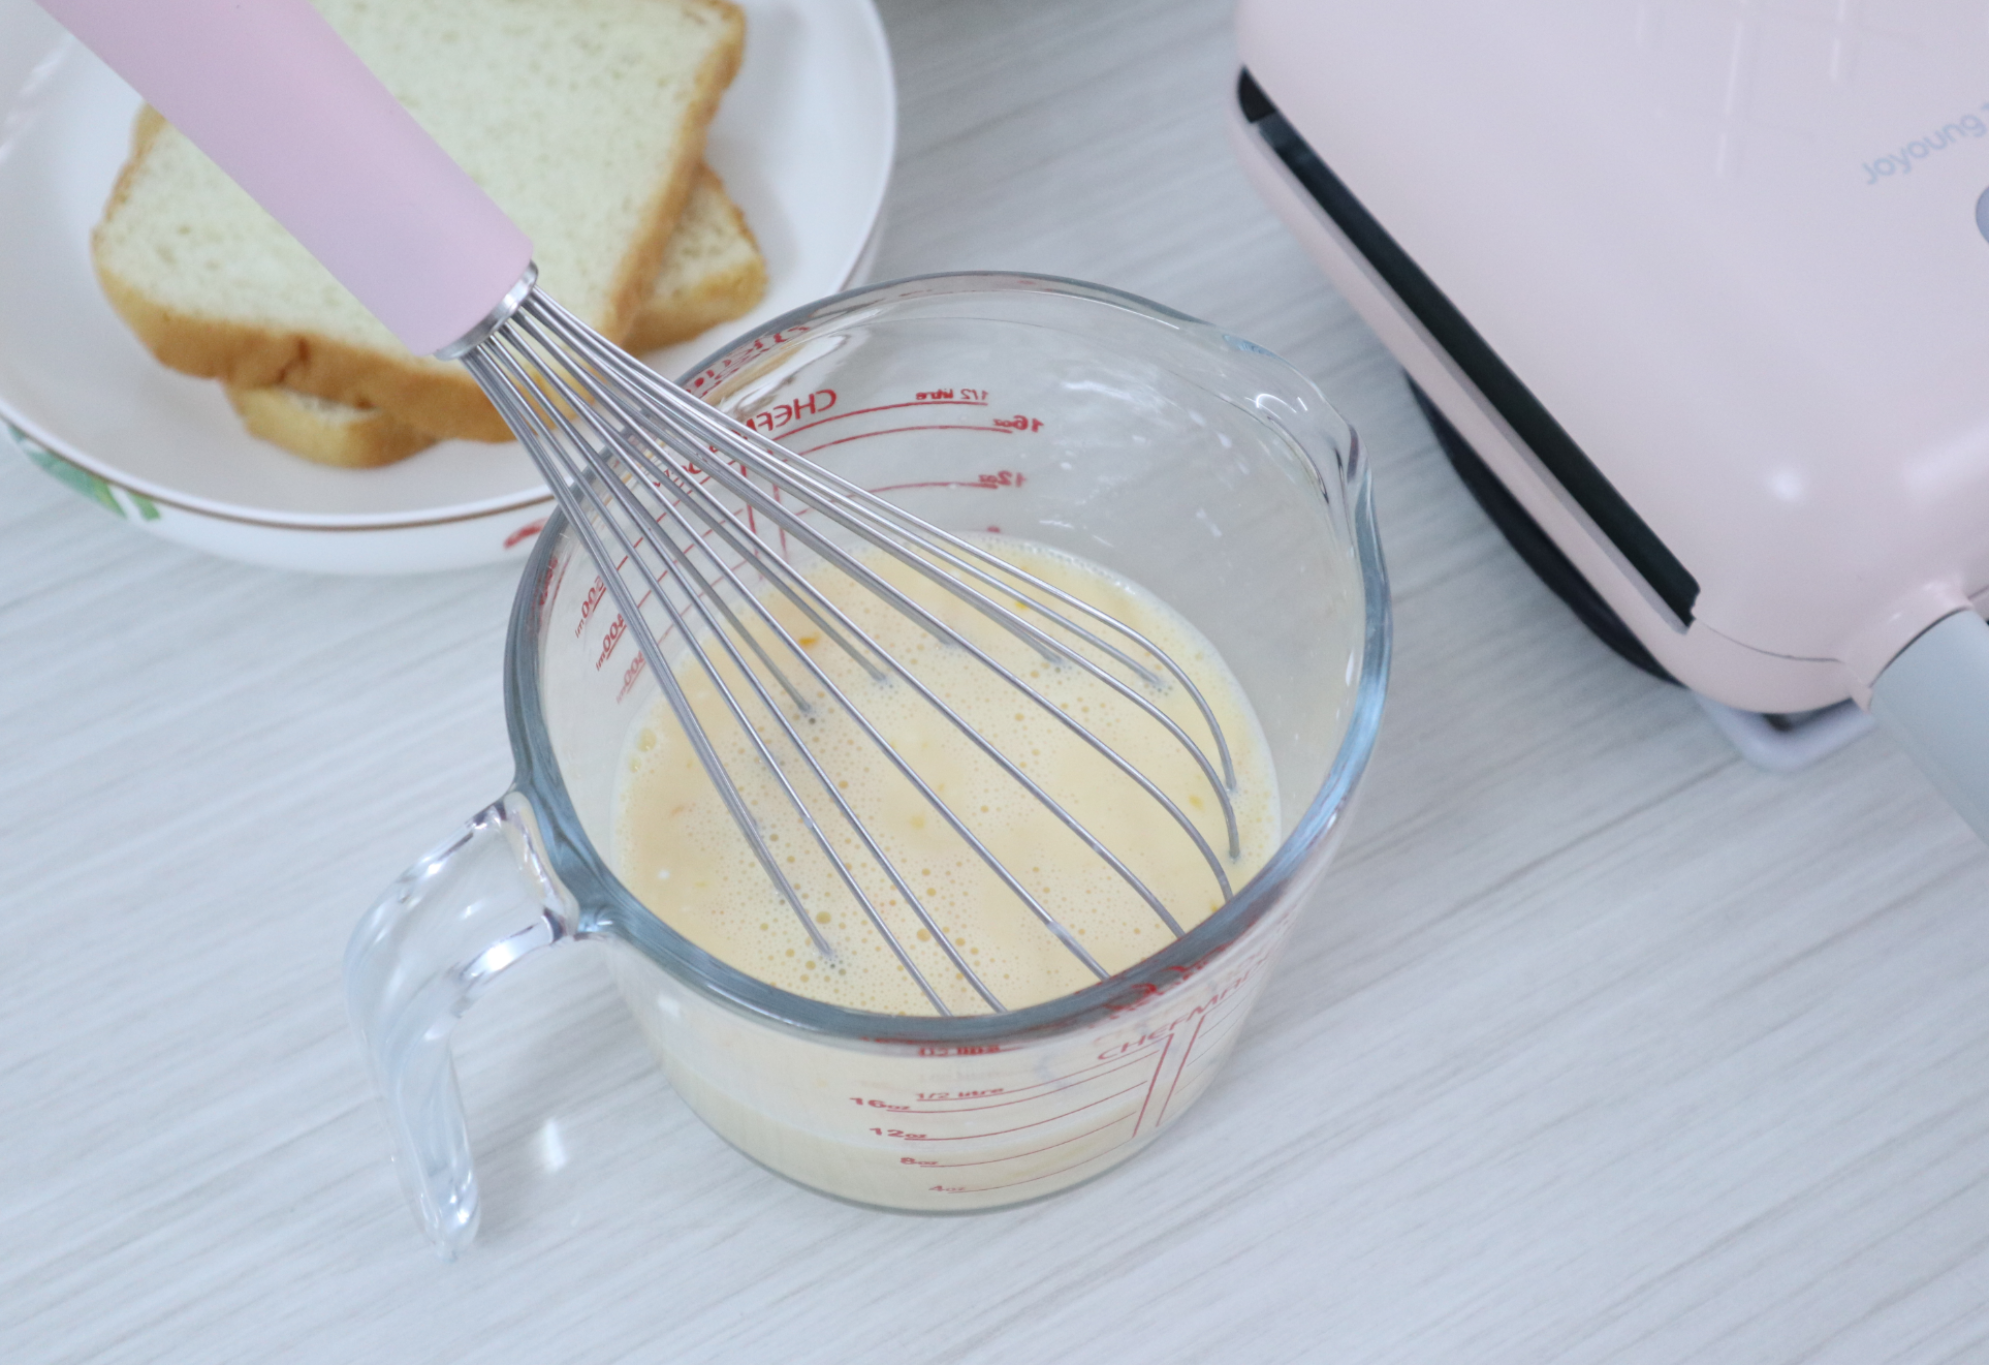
(474, 905)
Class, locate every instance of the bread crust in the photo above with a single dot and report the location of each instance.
(422, 393)
(686, 299)
(639, 274)
(715, 298)
(364, 440)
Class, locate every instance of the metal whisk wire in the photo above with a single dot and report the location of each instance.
(633, 461)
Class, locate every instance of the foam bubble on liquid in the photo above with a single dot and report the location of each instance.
(679, 849)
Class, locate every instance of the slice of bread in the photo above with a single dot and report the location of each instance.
(584, 119)
(322, 430)
(712, 272)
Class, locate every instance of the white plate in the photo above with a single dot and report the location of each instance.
(803, 140)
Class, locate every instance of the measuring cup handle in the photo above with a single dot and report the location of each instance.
(474, 905)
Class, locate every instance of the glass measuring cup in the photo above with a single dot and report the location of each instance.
(1197, 465)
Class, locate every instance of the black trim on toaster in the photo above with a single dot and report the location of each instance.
(1529, 419)
(1534, 545)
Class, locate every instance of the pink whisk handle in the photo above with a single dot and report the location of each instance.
(270, 92)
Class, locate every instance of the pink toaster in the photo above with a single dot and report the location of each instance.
(1698, 297)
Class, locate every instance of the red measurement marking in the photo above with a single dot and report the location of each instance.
(592, 600)
(1219, 1034)
(736, 565)
(1032, 1179)
(1055, 1087)
(524, 533)
(1220, 1027)
(759, 346)
(1054, 1081)
(997, 479)
(1161, 1117)
(1157, 1067)
(553, 565)
(922, 401)
(559, 580)
(1017, 1156)
(1206, 1060)
(980, 482)
(972, 1050)
(894, 431)
(616, 629)
(600, 588)
(1020, 1127)
(594, 596)
(628, 679)
(1196, 1013)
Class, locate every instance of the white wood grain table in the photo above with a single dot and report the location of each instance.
(1599, 1045)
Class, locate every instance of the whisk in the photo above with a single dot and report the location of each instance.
(665, 492)
(628, 454)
